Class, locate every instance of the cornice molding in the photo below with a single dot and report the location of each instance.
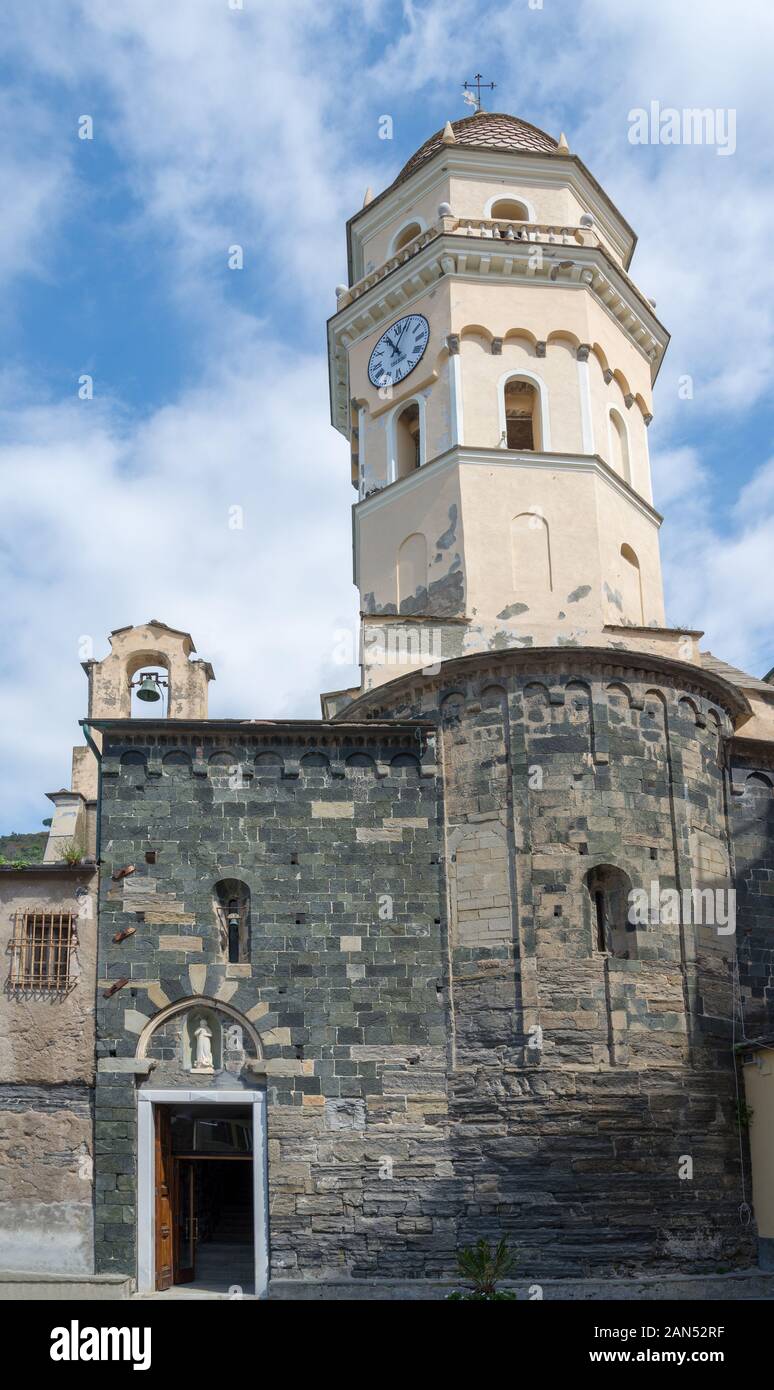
(452, 256)
(505, 458)
(613, 664)
(759, 750)
(540, 168)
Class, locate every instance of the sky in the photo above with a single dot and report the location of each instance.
(215, 124)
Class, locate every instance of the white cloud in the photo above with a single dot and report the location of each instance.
(106, 525)
(248, 126)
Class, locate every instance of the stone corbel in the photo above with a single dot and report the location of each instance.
(497, 347)
(540, 349)
(628, 400)
(607, 375)
(453, 344)
(582, 352)
(647, 418)
(739, 777)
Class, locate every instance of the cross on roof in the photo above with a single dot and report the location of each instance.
(467, 90)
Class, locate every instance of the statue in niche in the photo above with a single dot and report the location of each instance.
(203, 1055)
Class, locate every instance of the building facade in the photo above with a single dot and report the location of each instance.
(462, 958)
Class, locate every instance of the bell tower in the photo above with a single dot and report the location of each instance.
(491, 363)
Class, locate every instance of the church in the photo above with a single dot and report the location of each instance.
(322, 1002)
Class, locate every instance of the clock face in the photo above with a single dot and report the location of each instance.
(398, 350)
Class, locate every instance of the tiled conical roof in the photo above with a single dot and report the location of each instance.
(484, 130)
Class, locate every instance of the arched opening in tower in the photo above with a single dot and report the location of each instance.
(408, 440)
(521, 415)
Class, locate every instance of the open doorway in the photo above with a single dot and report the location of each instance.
(205, 1194)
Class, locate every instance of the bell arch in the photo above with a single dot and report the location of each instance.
(152, 646)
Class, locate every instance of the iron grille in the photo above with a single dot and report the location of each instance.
(42, 951)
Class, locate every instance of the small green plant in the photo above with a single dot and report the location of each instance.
(484, 1265)
(72, 852)
(744, 1114)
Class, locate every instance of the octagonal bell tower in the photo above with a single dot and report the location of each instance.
(491, 363)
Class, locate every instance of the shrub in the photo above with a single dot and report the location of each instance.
(483, 1266)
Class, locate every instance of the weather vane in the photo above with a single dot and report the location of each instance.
(467, 91)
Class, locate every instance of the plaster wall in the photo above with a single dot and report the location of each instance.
(49, 1038)
(550, 198)
(759, 1092)
(479, 312)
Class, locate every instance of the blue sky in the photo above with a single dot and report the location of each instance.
(259, 125)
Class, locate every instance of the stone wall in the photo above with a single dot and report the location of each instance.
(752, 820)
(583, 1079)
(337, 838)
(456, 1038)
(47, 1075)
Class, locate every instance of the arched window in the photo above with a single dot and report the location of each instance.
(404, 236)
(408, 440)
(631, 586)
(619, 446)
(412, 570)
(509, 210)
(608, 889)
(231, 902)
(522, 415)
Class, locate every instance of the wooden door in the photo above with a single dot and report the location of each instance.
(186, 1220)
(164, 1198)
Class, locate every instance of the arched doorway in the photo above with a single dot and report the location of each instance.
(202, 1204)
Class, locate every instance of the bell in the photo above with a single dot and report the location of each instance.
(149, 689)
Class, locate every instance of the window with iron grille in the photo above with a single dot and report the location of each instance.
(42, 951)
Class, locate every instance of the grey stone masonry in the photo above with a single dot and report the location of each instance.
(592, 1102)
(465, 1025)
(752, 820)
(342, 998)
